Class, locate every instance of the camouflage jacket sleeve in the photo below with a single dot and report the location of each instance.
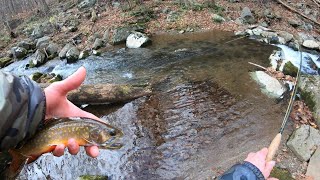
(22, 108)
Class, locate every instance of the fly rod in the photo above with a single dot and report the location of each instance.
(275, 143)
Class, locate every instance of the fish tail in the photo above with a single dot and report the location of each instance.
(16, 165)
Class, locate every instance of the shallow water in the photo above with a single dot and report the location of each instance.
(205, 115)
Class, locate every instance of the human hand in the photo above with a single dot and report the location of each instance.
(57, 105)
(259, 160)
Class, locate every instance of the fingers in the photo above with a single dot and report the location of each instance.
(59, 150)
(73, 146)
(92, 151)
(263, 152)
(72, 82)
(268, 168)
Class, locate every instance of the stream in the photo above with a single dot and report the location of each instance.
(206, 112)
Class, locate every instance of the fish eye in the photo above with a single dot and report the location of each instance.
(112, 132)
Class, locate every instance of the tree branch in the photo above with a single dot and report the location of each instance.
(295, 11)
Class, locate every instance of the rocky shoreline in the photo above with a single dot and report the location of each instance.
(76, 31)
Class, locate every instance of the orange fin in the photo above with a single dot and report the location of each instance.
(18, 161)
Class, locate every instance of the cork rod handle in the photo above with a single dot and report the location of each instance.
(274, 146)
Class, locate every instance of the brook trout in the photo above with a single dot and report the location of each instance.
(85, 131)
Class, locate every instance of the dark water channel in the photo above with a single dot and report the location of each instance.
(206, 112)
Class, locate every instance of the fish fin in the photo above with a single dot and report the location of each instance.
(89, 143)
(17, 163)
(112, 146)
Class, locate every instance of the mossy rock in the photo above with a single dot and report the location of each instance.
(290, 69)
(280, 173)
(5, 61)
(45, 78)
(93, 177)
(36, 76)
(309, 87)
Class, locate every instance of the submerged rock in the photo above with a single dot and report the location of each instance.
(303, 142)
(137, 39)
(269, 85)
(314, 164)
(45, 78)
(309, 86)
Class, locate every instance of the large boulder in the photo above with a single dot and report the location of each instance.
(72, 55)
(314, 164)
(304, 141)
(43, 29)
(64, 50)
(309, 87)
(38, 59)
(137, 39)
(19, 52)
(269, 85)
(82, 4)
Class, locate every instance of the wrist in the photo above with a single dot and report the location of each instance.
(254, 169)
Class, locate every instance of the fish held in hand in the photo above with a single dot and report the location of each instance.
(85, 131)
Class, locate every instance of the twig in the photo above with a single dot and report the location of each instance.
(258, 65)
(316, 2)
(290, 8)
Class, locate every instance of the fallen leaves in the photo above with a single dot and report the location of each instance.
(301, 114)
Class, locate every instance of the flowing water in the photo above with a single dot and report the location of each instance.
(206, 112)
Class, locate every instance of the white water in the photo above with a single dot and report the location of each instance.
(287, 54)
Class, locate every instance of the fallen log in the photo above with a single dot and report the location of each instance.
(106, 93)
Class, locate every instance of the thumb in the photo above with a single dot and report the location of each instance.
(268, 168)
(72, 82)
(272, 178)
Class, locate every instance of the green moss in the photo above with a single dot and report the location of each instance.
(125, 90)
(308, 98)
(93, 177)
(282, 174)
(5, 61)
(36, 76)
(290, 69)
